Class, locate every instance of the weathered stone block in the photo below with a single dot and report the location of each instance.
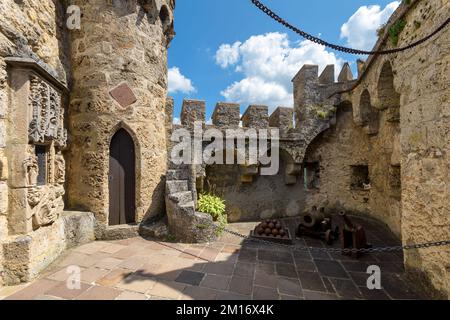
(3, 198)
(256, 116)
(226, 115)
(18, 155)
(78, 228)
(176, 186)
(19, 213)
(346, 74)
(327, 75)
(282, 118)
(308, 73)
(26, 256)
(191, 112)
(2, 133)
(17, 260)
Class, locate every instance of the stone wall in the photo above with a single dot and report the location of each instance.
(261, 197)
(345, 150)
(422, 77)
(25, 256)
(248, 194)
(28, 29)
(119, 65)
(400, 129)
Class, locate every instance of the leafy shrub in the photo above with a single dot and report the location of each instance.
(215, 207)
(395, 30)
(381, 30)
(322, 114)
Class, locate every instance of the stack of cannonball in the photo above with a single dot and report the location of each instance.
(271, 228)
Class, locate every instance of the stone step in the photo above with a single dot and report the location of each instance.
(177, 174)
(173, 166)
(176, 186)
(181, 198)
(156, 230)
(187, 208)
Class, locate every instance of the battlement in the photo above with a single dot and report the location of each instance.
(228, 115)
(315, 91)
(309, 74)
(256, 116)
(192, 111)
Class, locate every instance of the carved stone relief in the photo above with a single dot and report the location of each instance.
(60, 169)
(46, 128)
(46, 203)
(30, 166)
(47, 123)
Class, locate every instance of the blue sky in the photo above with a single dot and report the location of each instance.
(226, 50)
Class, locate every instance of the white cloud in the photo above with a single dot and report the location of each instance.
(361, 29)
(227, 54)
(268, 63)
(179, 83)
(176, 120)
(255, 90)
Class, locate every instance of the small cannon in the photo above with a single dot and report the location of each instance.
(352, 236)
(314, 224)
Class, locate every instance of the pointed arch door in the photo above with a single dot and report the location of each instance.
(122, 179)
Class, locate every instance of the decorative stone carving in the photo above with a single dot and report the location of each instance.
(31, 168)
(60, 169)
(47, 123)
(46, 204)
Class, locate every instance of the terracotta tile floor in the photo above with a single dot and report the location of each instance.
(139, 269)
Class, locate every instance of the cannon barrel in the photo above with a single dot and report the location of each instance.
(347, 222)
(313, 218)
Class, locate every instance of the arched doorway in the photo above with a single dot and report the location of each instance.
(122, 179)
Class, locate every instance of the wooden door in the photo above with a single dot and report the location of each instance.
(122, 179)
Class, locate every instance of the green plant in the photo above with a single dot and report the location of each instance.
(322, 114)
(381, 30)
(395, 30)
(214, 206)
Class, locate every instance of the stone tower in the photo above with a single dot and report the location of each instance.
(117, 115)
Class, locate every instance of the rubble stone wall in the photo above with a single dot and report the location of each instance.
(119, 70)
(422, 78)
(341, 151)
(400, 129)
(28, 29)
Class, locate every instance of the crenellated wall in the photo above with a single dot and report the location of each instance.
(367, 141)
(376, 146)
(394, 121)
(248, 194)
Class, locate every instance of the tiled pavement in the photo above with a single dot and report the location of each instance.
(137, 269)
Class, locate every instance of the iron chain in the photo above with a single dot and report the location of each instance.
(339, 250)
(319, 41)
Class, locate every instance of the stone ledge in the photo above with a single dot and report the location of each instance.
(25, 256)
(117, 232)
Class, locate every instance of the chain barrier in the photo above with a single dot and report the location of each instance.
(340, 250)
(319, 41)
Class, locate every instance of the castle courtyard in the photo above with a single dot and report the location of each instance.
(219, 150)
(228, 269)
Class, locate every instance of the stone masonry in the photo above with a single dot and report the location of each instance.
(119, 71)
(375, 146)
(63, 95)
